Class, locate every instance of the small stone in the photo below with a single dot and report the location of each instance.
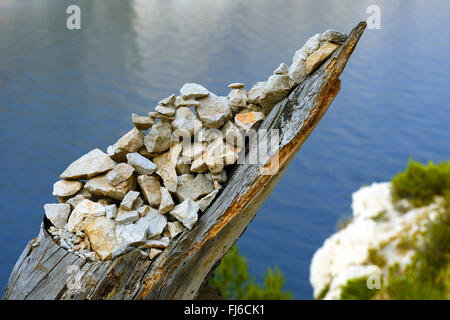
(141, 164)
(192, 151)
(217, 185)
(333, 36)
(143, 210)
(167, 111)
(157, 115)
(199, 165)
(276, 89)
(174, 228)
(282, 69)
(204, 202)
(154, 253)
(193, 188)
(311, 45)
(121, 250)
(182, 167)
(100, 187)
(254, 94)
(166, 201)
(65, 188)
(297, 70)
(138, 203)
(186, 123)
(193, 90)
(105, 202)
(57, 213)
(132, 141)
(149, 155)
(214, 156)
(232, 134)
(213, 111)
(127, 216)
(129, 200)
(101, 234)
(111, 211)
(319, 56)
(120, 173)
(247, 120)
(220, 177)
(231, 155)
(91, 164)
(132, 232)
(84, 209)
(186, 213)
(142, 122)
(237, 98)
(150, 188)
(92, 256)
(236, 85)
(181, 102)
(159, 138)
(168, 101)
(73, 202)
(148, 244)
(157, 223)
(116, 154)
(165, 164)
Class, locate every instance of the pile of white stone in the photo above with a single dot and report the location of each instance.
(154, 181)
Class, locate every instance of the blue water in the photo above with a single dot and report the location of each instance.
(63, 93)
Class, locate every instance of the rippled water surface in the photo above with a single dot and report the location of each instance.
(63, 93)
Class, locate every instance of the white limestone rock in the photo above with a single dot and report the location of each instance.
(142, 122)
(199, 165)
(83, 210)
(166, 164)
(191, 151)
(74, 201)
(111, 211)
(150, 187)
(116, 154)
(174, 228)
(57, 213)
(247, 121)
(193, 188)
(166, 201)
(66, 188)
(333, 36)
(213, 111)
(297, 70)
(220, 177)
(132, 141)
(129, 200)
(127, 216)
(204, 202)
(185, 123)
(101, 234)
(182, 167)
(91, 164)
(237, 98)
(157, 223)
(154, 253)
(319, 56)
(159, 138)
(141, 164)
(99, 186)
(168, 101)
(181, 102)
(186, 213)
(165, 110)
(276, 89)
(119, 173)
(282, 69)
(232, 134)
(193, 90)
(254, 94)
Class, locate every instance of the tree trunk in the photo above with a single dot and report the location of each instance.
(46, 271)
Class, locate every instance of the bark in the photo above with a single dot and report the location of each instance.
(46, 271)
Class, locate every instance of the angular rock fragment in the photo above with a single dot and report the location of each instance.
(282, 69)
(149, 155)
(116, 154)
(150, 188)
(236, 85)
(159, 138)
(214, 156)
(193, 90)
(276, 89)
(143, 210)
(193, 188)
(165, 164)
(141, 164)
(166, 201)
(168, 101)
(57, 213)
(220, 177)
(254, 94)
(199, 165)
(186, 213)
(185, 123)
(204, 202)
(182, 167)
(138, 203)
(151, 244)
(91, 164)
(246, 121)
(192, 151)
(100, 187)
(319, 56)
(73, 202)
(101, 234)
(142, 122)
(154, 253)
(83, 210)
(120, 173)
(181, 102)
(232, 134)
(174, 228)
(129, 200)
(333, 36)
(65, 188)
(132, 141)
(237, 98)
(157, 115)
(167, 111)
(131, 232)
(157, 223)
(121, 250)
(297, 70)
(213, 111)
(127, 216)
(111, 211)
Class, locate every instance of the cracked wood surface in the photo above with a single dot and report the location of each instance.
(44, 270)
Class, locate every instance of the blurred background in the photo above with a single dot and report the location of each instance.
(64, 92)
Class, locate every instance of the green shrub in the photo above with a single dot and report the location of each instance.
(356, 289)
(234, 283)
(420, 183)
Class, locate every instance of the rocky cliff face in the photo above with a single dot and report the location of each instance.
(378, 236)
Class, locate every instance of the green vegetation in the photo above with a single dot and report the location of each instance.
(380, 216)
(234, 283)
(324, 292)
(356, 289)
(376, 258)
(420, 183)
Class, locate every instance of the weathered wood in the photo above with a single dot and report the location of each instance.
(46, 271)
